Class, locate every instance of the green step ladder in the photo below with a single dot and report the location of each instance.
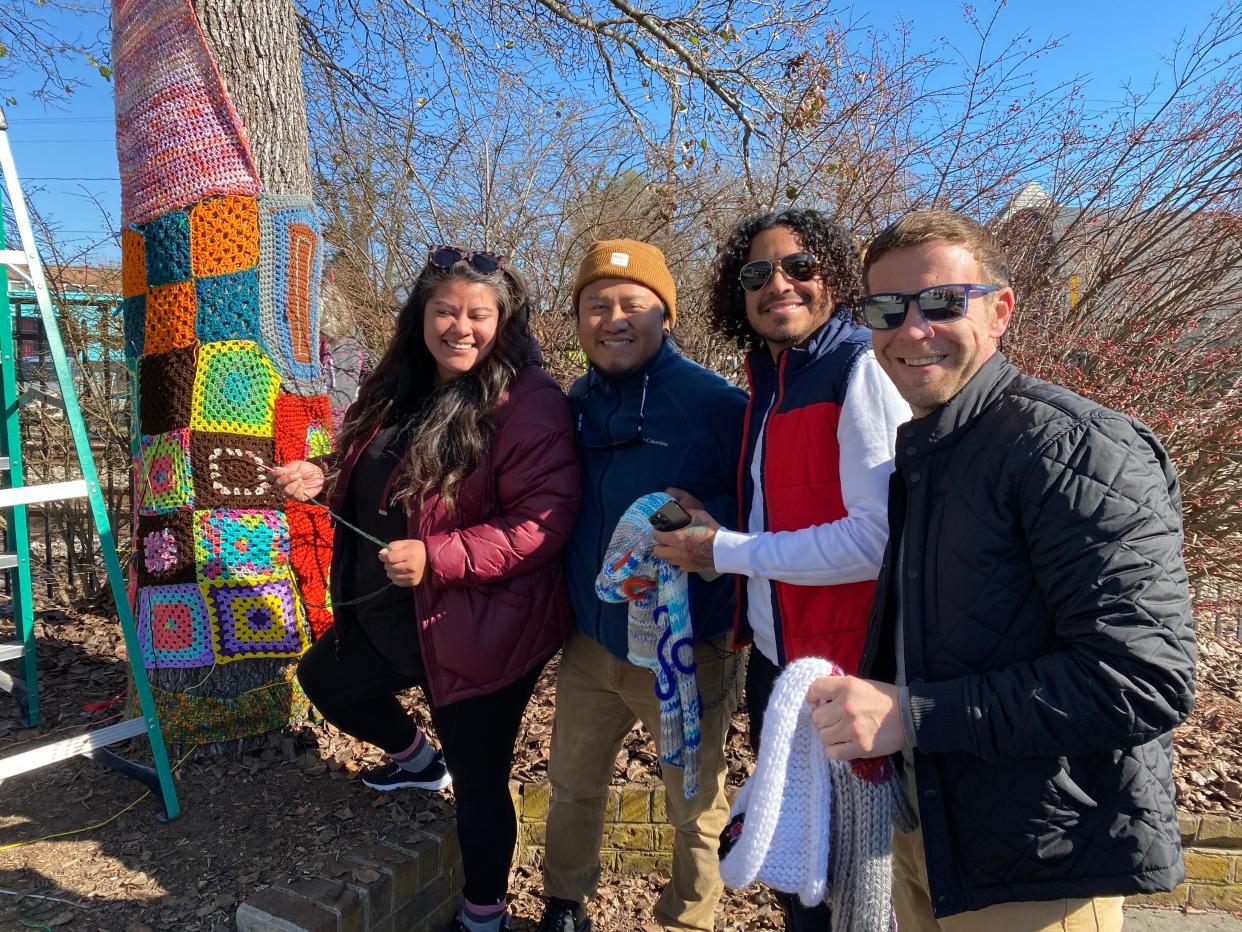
(17, 496)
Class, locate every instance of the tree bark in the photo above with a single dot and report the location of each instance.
(255, 45)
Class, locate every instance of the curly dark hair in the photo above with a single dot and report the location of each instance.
(819, 234)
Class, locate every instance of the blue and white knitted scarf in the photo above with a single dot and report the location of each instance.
(660, 635)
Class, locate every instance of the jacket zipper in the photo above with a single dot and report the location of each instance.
(763, 463)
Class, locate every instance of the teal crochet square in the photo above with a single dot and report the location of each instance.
(166, 240)
(134, 314)
(228, 306)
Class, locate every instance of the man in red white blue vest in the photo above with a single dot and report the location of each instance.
(818, 451)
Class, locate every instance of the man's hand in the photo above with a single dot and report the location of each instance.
(405, 561)
(684, 499)
(298, 480)
(856, 718)
(691, 547)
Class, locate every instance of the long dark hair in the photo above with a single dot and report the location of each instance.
(823, 237)
(453, 428)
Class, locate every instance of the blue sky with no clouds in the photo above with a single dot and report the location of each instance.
(67, 158)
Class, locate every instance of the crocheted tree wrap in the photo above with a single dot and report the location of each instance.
(209, 340)
(165, 480)
(289, 272)
(165, 388)
(173, 627)
(303, 429)
(240, 545)
(179, 138)
(311, 556)
(133, 264)
(251, 619)
(134, 317)
(234, 389)
(230, 471)
(189, 719)
(165, 549)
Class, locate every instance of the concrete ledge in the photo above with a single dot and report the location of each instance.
(374, 888)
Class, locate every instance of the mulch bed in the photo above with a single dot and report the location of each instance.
(294, 803)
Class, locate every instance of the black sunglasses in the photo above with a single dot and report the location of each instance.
(629, 440)
(483, 262)
(938, 304)
(800, 266)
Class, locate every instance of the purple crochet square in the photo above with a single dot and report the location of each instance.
(254, 619)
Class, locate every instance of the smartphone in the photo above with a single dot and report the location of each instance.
(669, 517)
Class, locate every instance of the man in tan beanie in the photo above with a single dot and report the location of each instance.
(647, 418)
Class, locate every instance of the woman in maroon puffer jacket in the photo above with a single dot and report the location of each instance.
(459, 452)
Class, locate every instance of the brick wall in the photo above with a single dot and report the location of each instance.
(637, 836)
(637, 839)
(1213, 865)
(380, 888)
(416, 887)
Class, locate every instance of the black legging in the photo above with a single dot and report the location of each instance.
(761, 676)
(356, 692)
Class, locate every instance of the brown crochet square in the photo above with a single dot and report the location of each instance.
(230, 471)
(165, 389)
(164, 548)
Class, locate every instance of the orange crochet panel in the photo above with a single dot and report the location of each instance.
(133, 264)
(224, 235)
(171, 311)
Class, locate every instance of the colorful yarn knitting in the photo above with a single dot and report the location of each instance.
(660, 636)
(179, 138)
(220, 308)
(809, 825)
(289, 273)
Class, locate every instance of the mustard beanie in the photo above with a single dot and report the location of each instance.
(632, 260)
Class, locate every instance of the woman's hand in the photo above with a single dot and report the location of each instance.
(405, 561)
(298, 480)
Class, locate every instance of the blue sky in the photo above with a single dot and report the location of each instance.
(67, 158)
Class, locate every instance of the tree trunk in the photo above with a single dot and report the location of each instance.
(221, 255)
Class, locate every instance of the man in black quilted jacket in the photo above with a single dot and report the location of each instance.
(1030, 647)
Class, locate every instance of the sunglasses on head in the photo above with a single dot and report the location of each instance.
(483, 262)
(938, 304)
(800, 266)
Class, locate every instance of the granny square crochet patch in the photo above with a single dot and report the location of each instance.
(133, 263)
(254, 619)
(230, 471)
(310, 532)
(164, 549)
(224, 235)
(234, 389)
(134, 314)
(242, 545)
(289, 267)
(167, 244)
(173, 627)
(228, 306)
(302, 427)
(165, 388)
(170, 317)
(164, 481)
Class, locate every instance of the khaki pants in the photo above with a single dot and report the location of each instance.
(598, 699)
(912, 903)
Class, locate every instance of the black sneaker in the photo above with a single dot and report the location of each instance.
(392, 776)
(564, 916)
